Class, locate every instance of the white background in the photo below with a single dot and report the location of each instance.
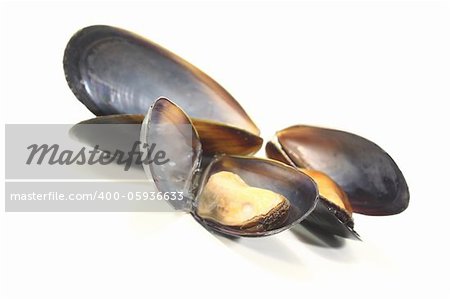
(379, 69)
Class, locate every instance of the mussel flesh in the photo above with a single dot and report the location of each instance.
(228, 200)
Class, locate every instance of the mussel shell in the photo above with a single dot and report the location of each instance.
(216, 138)
(369, 176)
(274, 151)
(324, 218)
(119, 119)
(297, 187)
(166, 124)
(171, 131)
(327, 217)
(113, 71)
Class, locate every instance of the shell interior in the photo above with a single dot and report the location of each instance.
(170, 131)
(113, 71)
(270, 179)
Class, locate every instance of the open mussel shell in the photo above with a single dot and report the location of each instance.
(216, 138)
(333, 213)
(232, 195)
(297, 188)
(171, 132)
(368, 175)
(113, 71)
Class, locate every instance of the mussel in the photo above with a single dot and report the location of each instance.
(233, 195)
(117, 75)
(113, 71)
(314, 174)
(369, 177)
